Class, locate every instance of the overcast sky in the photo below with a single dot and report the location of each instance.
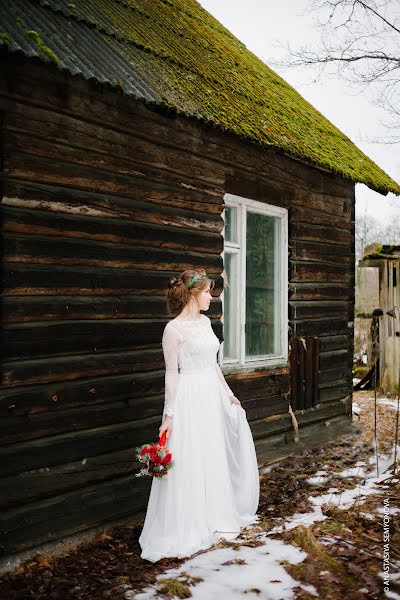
(262, 25)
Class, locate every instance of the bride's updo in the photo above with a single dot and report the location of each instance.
(178, 293)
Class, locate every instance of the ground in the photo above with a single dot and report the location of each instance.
(329, 527)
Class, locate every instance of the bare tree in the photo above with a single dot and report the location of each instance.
(359, 41)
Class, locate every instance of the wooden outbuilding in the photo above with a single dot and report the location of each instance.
(139, 139)
(385, 262)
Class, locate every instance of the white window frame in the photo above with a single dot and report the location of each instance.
(244, 205)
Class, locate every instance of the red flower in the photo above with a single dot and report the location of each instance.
(145, 450)
(167, 458)
(157, 460)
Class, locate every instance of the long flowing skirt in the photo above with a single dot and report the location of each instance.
(212, 491)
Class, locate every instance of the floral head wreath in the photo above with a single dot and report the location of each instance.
(199, 273)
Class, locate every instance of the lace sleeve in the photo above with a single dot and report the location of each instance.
(170, 346)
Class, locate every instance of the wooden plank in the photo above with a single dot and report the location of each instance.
(320, 252)
(264, 407)
(320, 233)
(312, 216)
(320, 327)
(335, 358)
(29, 340)
(41, 279)
(336, 392)
(17, 429)
(33, 524)
(316, 371)
(71, 368)
(124, 232)
(149, 202)
(27, 400)
(76, 445)
(306, 291)
(318, 272)
(42, 249)
(294, 372)
(36, 485)
(26, 309)
(318, 309)
(301, 376)
(309, 373)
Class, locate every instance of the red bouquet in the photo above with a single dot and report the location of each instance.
(156, 458)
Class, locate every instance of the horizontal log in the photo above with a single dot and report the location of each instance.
(259, 408)
(261, 385)
(319, 327)
(33, 524)
(282, 445)
(312, 216)
(108, 150)
(48, 482)
(123, 232)
(29, 340)
(335, 358)
(17, 428)
(72, 368)
(336, 342)
(271, 426)
(318, 309)
(320, 233)
(25, 309)
(42, 279)
(76, 445)
(306, 291)
(336, 392)
(321, 252)
(40, 249)
(319, 272)
(149, 202)
(27, 400)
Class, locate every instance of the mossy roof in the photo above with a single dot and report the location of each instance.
(173, 53)
(379, 252)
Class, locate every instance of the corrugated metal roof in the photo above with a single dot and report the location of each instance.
(173, 53)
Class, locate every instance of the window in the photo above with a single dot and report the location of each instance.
(255, 283)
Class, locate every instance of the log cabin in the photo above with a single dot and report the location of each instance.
(139, 139)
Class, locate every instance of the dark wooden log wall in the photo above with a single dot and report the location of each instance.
(102, 200)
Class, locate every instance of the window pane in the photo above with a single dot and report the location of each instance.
(262, 285)
(231, 225)
(230, 306)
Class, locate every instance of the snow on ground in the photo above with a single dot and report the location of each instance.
(257, 570)
(388, 402)
(260, 575)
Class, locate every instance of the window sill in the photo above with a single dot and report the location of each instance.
(278, 368)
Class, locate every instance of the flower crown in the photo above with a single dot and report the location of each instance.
(199, 273)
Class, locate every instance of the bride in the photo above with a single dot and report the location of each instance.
(212, 491)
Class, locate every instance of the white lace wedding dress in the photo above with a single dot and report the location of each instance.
(212, 491)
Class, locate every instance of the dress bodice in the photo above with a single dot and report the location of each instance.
(198, 344)
(188, 345)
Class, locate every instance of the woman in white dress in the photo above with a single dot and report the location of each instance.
(212, 490)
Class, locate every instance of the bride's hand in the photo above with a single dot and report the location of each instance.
(166, 425)
(234, 400)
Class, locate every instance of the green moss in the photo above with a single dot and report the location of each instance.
(5, 38)
(33, 35)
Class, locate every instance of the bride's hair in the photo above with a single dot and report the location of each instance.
(178, 294)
